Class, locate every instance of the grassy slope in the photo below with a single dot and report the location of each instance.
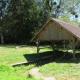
(9, 73)
(9, 54)
(62, 69)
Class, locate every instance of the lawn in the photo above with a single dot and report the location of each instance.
(57, 66)
(10, 54)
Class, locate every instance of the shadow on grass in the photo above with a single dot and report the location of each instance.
(50, 56)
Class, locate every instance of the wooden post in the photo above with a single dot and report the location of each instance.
(74, 42)
(52, 45)
(64, 47)
(73, 45)
(37, 46)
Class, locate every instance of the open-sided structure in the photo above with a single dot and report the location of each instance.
(55, 30)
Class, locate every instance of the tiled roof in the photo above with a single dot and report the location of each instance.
(75, 30)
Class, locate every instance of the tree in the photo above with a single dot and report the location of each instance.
(23, 16)
(57, 8)
(3, 12)
(66, 18)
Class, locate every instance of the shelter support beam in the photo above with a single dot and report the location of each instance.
(37, 46)
(73, 45)
(52, 45)
(64, 46)
(74, 42)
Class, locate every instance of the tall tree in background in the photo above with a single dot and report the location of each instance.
(57, 8)
(3, 12)
(23, 16)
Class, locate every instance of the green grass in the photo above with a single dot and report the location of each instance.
(9, 54)
(9, 73)
(61, 68)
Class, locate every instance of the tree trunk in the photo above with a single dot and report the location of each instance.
(2, 38)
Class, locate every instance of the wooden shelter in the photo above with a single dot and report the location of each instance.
(55, 30)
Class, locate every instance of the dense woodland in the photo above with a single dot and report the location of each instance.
(21, 19)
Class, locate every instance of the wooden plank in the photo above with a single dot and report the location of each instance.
(54, 32)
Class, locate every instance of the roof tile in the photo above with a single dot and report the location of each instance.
(75, 30)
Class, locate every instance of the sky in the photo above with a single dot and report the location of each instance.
(72, 16)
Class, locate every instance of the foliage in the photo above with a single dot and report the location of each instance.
(23, 15)
(3, 13)
(71, 21)
(3, 8)
(23, 18)
(57, 8)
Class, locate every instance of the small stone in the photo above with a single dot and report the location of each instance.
(17, 47)
(49, 78)
(70, 50)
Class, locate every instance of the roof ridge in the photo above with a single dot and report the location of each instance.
(73, 29)
(63, 22)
